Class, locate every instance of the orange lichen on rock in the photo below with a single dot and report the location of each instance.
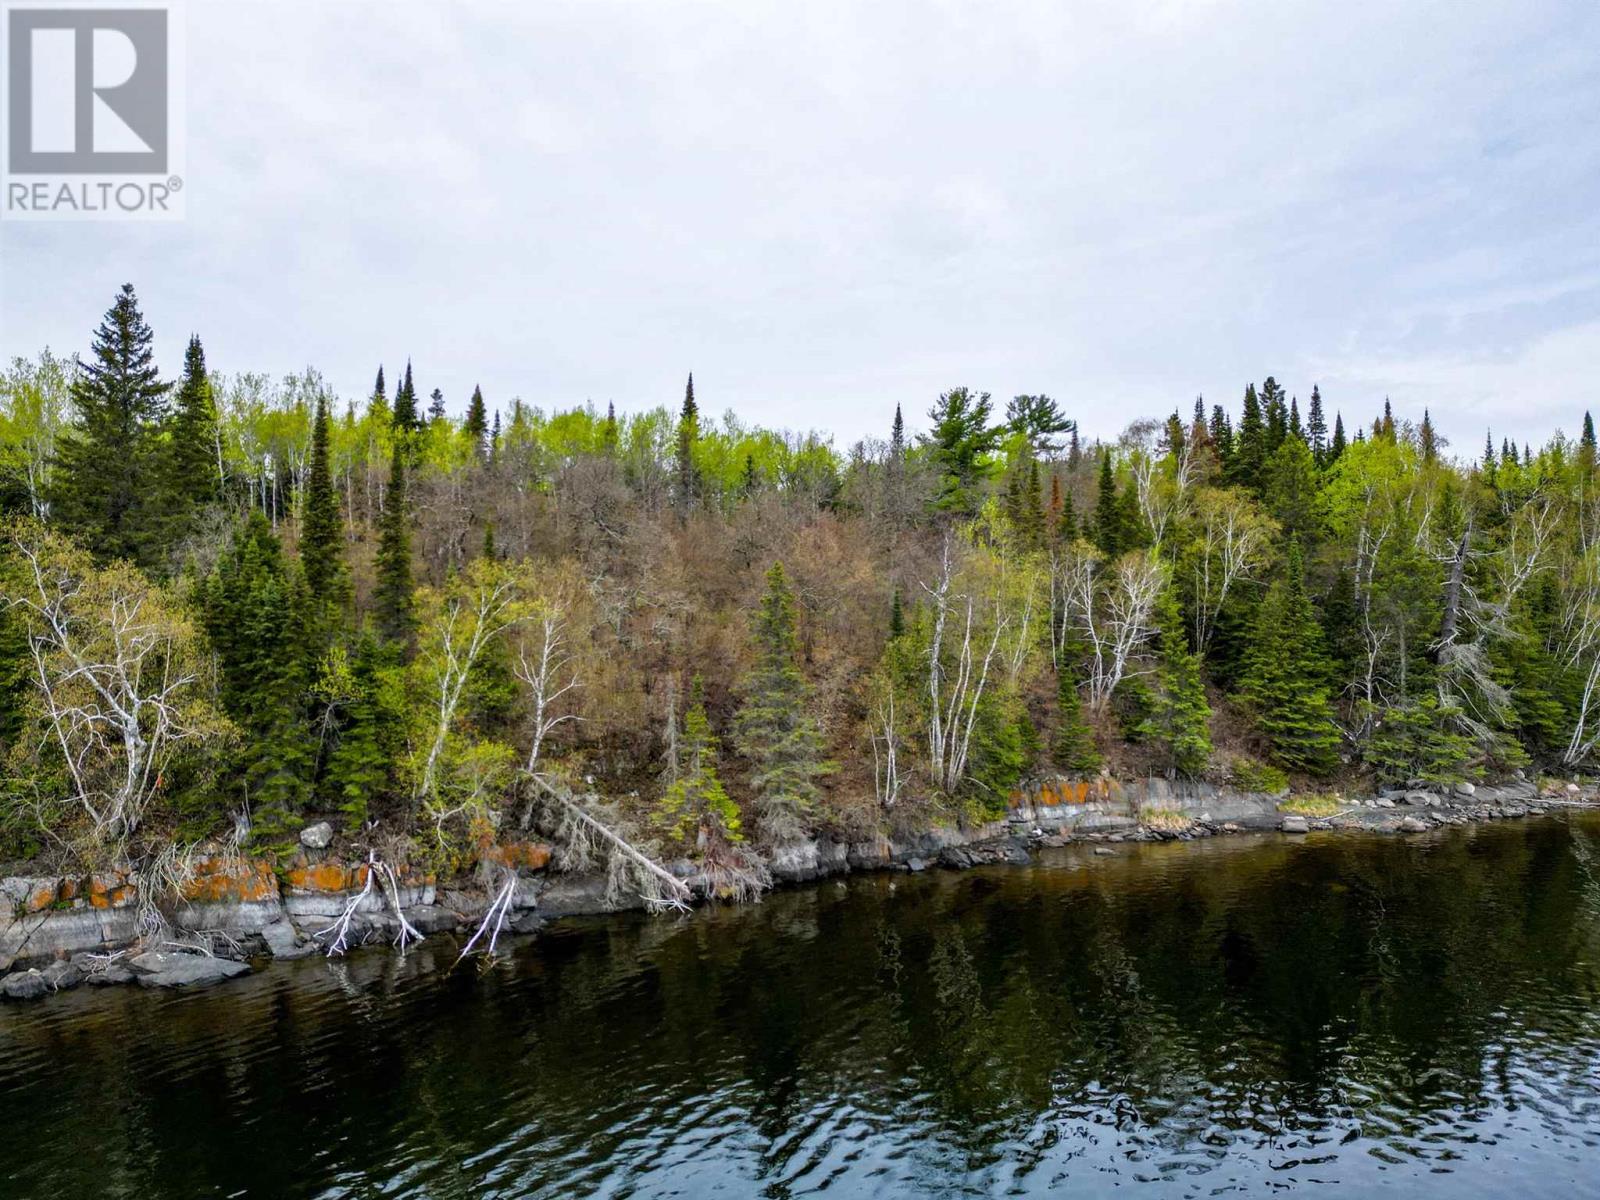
(111, 891)
(240, 880)
(326, 877)
(533, 856)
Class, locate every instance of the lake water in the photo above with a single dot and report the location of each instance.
(1344, 1015)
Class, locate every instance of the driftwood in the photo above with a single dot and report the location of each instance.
(657, 887)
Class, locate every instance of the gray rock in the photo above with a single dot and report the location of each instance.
(113, 975)
(317, 837)
(1105, 852)
(284, 941)
(1413, 825)
(24, 985)
(160, 969)
(1466, 789)
(1573, 789)
(1425, 799)
(63, 975)
(916, 864)
(1383, 802)
(1294, 823)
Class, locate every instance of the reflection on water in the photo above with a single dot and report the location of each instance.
(1354, 1015)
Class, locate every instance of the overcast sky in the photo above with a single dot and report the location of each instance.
(824, 209)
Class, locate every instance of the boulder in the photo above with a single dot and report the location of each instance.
(317, 837)
(113, 975)
(1573, 789)
(1294, 823)
(61, 975)
(1383, 802)
(284, 940)
(1465, 789)
(1413, 825)
(1419, 797)
(24, 985)
(163, 969)
(1105, 852)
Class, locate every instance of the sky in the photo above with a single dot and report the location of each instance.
(826, 209)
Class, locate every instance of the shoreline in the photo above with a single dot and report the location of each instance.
(238, 915)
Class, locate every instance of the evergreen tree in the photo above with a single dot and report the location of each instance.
(494, 439)
(1222, 441)
(436, 405)
(774, 728)
(321, 529)
(1275, 416)
(193, 477)
(611, 436)
(750, 481)
(368, 731)
(1336, 446)
(106, 459)
(1250, 448)
(1285, 677)
(685, 471)
(1073, 747)
(1317, 428)
(897, 616)
(1427, 440)
(477, 424)
(960, 445)
(696, 809)
(394, 605)
(1110, 534)
(1179, 715)
(897, 437)
(1586, 446)
(1295, 428)
(253, 608)
(1386, 424)
(406, 418)
(379, 392)
(1038, 419)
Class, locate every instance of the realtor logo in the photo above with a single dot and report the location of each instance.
(90, 111)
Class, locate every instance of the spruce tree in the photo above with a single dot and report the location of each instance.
(380, 393)
(394, 605)
(1336, 446)
(367, 733)
(1285, 681)
(1073, 747)
(1295, 428)
(1275, 416)
(436, 405)
(1427, 440)
(1586, 446)
(107, 460)
(750, 480)
(321, 529)
(1177, 723)
(1222, 441)
(696, 810)
(1317, 428)
(477, 425)
(1386, 423)
(407, 420)
(192, 475)
(253, 607)
(897, 616)
(1250, 448)
(610, 434)
(775, 729)
(1109, 531)
(686, 474)
(897, 437)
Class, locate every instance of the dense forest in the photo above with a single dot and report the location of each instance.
(230, 605)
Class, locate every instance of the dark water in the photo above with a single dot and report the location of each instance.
(1345, 1015)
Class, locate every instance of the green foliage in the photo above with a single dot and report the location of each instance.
(1285, 677)
(394, 600)
(254, 608)
(363, 696)
(107, 457)
(696, 810)
(1180, 714)
(1002, 738)
(321, 528)
(1414, 742)
(1249, 775)
(1072, 747)
(191, 472)
(961, 446)
(774, 728)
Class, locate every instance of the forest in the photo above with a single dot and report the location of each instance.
(232, 604)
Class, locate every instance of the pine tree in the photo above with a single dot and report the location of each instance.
(321, 529)
(1317, 428)
(477, 424)
(960, 445)
(1222, 440)
(685, 471)
(1275, 416)
(367, 738)
(774, 728)
(1586, 446)
(610, 434)
(897, 616)
(107, 459)
(1295, 428)
(1386, 425)
(897, 437)
(1250, 448)
(1179, 716)
(1285, 677)
(193, 477)
(436, 405)
(494, 439)
(1109, 534)
(696, 809)
(379, 392)
(253, 608)
(1073, 747)
(394, 606)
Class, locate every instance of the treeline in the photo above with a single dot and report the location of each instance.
(231, 605)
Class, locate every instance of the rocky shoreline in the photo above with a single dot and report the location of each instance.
(236, 913)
